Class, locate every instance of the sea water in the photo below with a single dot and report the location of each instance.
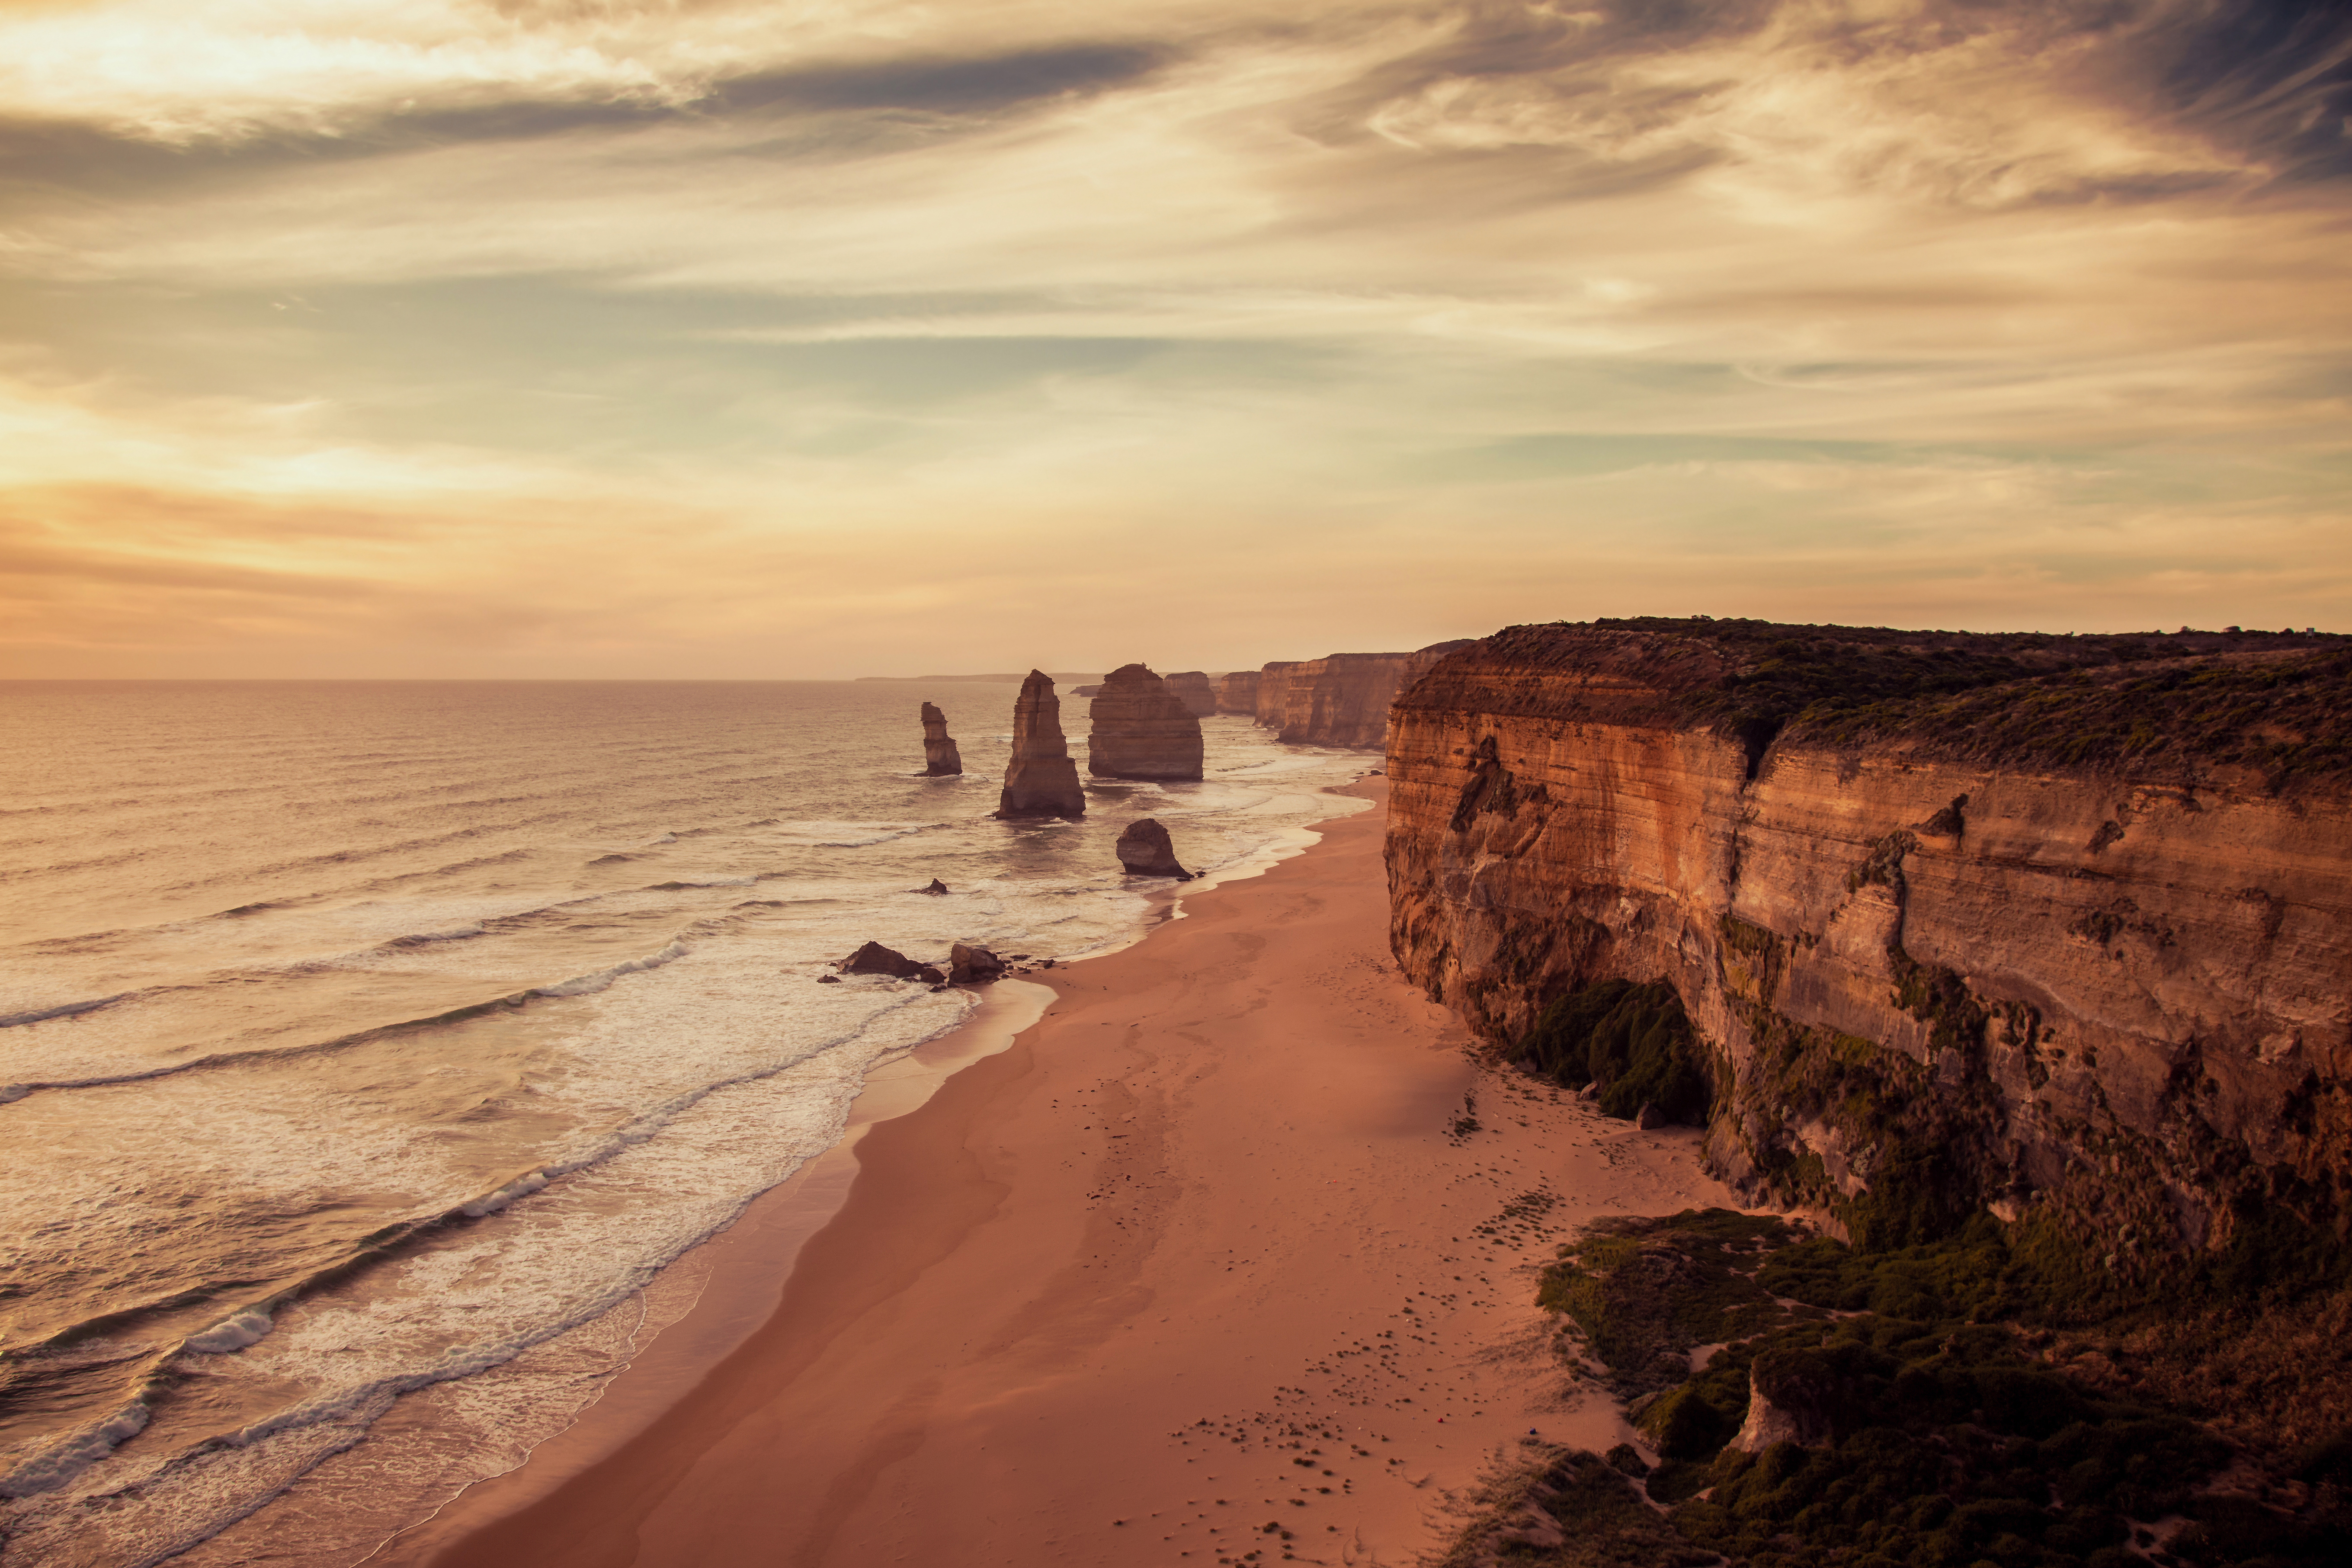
(359, 1040)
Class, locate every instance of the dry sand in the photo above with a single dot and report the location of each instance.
(1204, 1249)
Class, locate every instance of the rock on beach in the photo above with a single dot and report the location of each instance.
(1144, 850)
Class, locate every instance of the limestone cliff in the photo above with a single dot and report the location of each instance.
(2059, 926)
(1343, 699)
(1141, 731)
(1272, 692)
(1237, 693)
(1191, 687)
(940, 757)
(1041, 780)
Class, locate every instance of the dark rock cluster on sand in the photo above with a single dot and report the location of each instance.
(1041, 780)
(940, 757)
(876, 959)
(968, 964)
(971, 965)
(1141, 729)
(1144, 850)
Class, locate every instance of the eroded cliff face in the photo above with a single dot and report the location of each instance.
(1237, 692)
(2117, 997)
(1272, 692)
(1343, 699)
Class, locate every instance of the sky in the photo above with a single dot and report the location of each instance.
(696, 339)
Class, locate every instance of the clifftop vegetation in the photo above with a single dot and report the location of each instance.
(2277, 702)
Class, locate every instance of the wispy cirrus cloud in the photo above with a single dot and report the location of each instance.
(1613, 288)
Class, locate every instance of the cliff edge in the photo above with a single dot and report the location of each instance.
(2056, 926)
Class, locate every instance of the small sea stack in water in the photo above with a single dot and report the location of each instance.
(1041, 780)
(1141, 731)
(876, 959)
(937, 888)
(1191, 687)
(1144, 850)
(940, 757)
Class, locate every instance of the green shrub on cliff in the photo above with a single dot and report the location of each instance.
(1634, 1041)
(1941, 1427)
(2279, 702)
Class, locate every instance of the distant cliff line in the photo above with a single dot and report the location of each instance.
(2059, 927)
(1341, 699)
(1061, 678)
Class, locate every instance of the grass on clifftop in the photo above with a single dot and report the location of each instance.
(2279, 702)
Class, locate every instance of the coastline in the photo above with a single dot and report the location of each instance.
(1005, 1316)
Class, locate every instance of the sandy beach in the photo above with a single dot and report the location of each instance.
(1209, 1264)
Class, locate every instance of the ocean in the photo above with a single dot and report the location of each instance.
(362, 1042)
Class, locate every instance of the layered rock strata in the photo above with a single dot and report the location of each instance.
(1343, 699)
(940, 757)
(1273, 693)
(1237, 693)
(1145, 850)
(1041, 780)
(2061, 927)
(1191, 687)
(1141, 729)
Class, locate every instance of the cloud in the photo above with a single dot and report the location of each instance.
(639, 318)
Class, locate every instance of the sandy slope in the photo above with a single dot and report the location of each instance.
(1095, 1301)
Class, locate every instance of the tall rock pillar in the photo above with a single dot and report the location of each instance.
(940, 754)
(1041, 780)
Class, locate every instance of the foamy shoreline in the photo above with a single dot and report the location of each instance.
(547, 1165)
(1017, 1316)
(717, 1294)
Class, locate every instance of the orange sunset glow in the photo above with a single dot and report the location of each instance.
(690, 338)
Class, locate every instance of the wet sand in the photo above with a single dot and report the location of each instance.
(1209, 1248)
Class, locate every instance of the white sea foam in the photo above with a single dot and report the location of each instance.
(588, 985)
(542, 1158)
(232, 1333)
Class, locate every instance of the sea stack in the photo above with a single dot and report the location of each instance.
(1144, 851)
(1191, 687)
(940, 754)
(1041, 780)
(1237, 693)
(1141, 731)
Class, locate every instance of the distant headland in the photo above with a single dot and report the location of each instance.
(1060, 676)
